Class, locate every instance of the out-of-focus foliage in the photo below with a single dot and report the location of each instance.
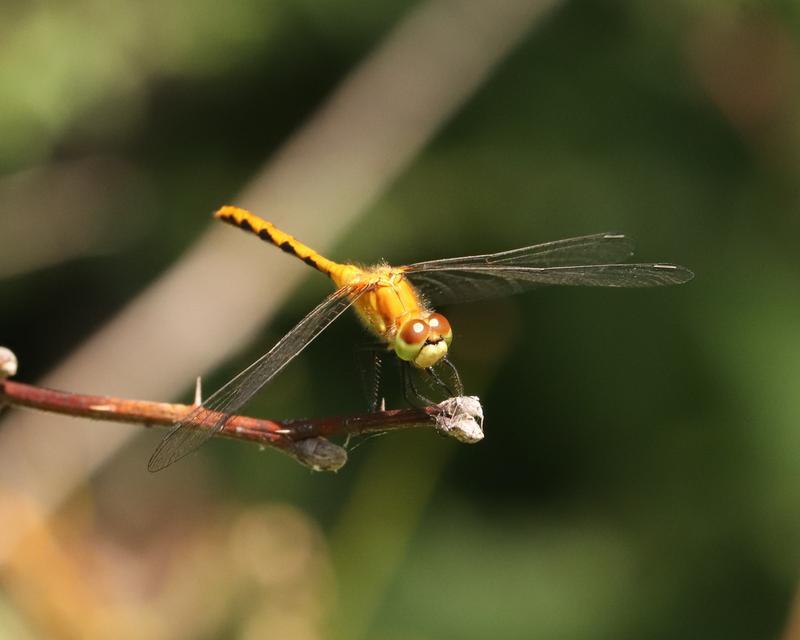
(640, 476)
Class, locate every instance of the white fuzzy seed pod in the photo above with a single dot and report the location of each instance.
(8, 363)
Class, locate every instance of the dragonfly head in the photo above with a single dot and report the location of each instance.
(423, 341)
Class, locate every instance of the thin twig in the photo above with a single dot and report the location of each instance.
(303, 439)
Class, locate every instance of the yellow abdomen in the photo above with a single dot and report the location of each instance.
(390, 298)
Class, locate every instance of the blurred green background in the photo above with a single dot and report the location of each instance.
(640, 475)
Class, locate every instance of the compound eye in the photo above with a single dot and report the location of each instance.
(411, 338)
(440, 325)
(415, 332)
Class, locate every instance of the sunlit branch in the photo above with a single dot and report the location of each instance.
(305, 439)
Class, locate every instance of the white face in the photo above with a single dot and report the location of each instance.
(424, 341)
(430, 354)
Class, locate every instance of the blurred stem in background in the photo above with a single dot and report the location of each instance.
(339, 162)
(372, 126)
(792, 629)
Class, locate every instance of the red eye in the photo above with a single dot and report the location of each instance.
(439, 324)
(415, 331)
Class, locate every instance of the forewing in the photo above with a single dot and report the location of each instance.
(210, 417)
(586, 261)
(599, 248)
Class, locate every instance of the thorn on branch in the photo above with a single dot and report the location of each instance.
(198, 392)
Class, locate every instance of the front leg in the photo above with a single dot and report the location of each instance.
(410, 390)
(446, 376)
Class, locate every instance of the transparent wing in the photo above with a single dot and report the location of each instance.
(586, 261)
(210, 417)
(599, 248)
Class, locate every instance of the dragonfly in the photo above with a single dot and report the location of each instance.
(398, 306)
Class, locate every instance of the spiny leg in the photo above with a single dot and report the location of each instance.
(410, 391)
(453, 385)
(438, 380)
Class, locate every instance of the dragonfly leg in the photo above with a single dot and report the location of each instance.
(454, 385)
(412, 394)
(439, 382)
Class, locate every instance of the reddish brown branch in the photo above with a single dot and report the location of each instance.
(303, 439)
